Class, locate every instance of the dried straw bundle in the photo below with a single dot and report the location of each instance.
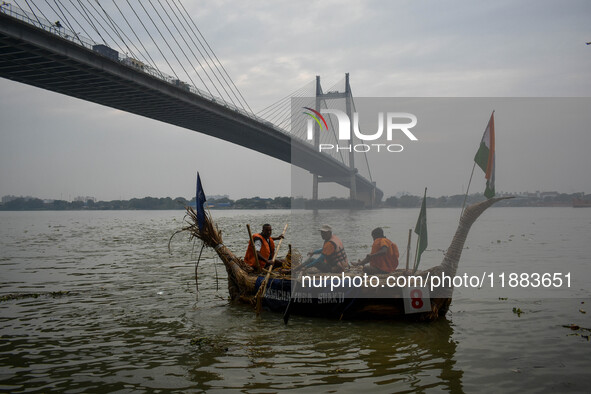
(241, 284)
(211, 235)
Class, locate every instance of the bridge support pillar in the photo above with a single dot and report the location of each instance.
(316, 136)
(368, 196)
(353, 183)
(363, 192)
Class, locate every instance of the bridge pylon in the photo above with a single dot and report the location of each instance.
(368, 197)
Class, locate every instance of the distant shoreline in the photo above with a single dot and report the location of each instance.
(179, 203)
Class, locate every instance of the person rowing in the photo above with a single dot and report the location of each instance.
(264, 244)
(332, 256)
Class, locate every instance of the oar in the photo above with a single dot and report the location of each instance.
(263, 287)
(289, 304)
(288, 309)
(305, 264)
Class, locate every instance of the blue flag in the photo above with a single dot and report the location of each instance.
(199, 201)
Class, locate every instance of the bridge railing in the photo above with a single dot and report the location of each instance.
(42, 23)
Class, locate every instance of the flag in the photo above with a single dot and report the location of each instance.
(421, 230)
(199, 201)
(485, 157)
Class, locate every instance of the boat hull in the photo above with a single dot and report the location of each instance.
(340, 305)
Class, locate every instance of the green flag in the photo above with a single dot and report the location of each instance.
(485, 157)
(421, 231)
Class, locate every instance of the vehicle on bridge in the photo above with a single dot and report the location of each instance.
(129, 61)
(106, 51)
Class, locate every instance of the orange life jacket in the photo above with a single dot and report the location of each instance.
(339, 257)
(267, 250)
(387, 262)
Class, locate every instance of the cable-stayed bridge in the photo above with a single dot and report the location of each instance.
(129, 68)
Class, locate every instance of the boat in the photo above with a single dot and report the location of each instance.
(287, 294)
(580, 203)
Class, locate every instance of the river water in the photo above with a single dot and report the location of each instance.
(103, 307)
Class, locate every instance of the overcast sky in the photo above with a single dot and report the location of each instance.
(53, 146)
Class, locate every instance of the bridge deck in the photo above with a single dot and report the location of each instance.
(36, 57)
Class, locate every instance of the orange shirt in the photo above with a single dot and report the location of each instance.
(387, 262)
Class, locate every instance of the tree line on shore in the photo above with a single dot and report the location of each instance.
(167, 203)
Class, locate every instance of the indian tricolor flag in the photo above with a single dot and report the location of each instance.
(485, 157)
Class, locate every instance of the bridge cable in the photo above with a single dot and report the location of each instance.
(113, 26)
(214, 55)
(277, 112)
(288, 97)
(63, 17)
(241, 103)
(177, 43)
(110, 25)
(152, 38)
(220, 63)
(365, 153)
(282, 117)
(282, 113)
(75, 20)
(335, 85)
(186, 43)
(297, 128)
(204, 57)
(196, 72)
(332, 128)
(137, 38)
(33, 12)
(167, 44)
(116, 29)
(292, 109)
(86, 17)
(38, 9)
(50, 24)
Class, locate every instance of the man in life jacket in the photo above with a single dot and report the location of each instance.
(265, 247)
(383, 258)
(332, 254)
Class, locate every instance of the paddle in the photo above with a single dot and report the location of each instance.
(305, 264)
(263, 287)
(287, 310)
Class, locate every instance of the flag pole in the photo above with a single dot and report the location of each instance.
(408, 247)
(467, 190)
(474, 166)
(414, 265)
(422, 227)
